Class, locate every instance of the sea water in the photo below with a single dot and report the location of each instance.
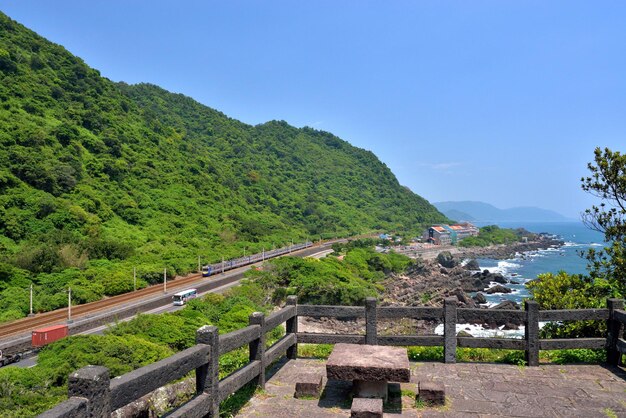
(527, 266)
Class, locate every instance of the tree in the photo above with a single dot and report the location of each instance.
(607, 267)
(608, 182)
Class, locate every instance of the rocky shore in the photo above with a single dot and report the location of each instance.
(505, 251)
(429, 282)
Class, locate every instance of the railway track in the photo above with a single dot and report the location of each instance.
(25, 325)
(53, 317)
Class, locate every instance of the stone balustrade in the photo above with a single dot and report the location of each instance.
(93, 394)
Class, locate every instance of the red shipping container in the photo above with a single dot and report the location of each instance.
(47, 335)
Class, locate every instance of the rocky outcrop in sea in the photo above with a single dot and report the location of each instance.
(459, 275)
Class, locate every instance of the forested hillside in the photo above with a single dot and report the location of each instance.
(98, 177)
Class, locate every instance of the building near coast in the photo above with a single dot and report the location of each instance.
(449, 234)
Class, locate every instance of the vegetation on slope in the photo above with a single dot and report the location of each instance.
(99, 177)
(493, 234)
(148, 338)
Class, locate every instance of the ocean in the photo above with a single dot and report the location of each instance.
(525, 267)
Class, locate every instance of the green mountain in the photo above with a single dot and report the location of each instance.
(98, 177)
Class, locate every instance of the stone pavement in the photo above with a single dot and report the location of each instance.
(472, 390)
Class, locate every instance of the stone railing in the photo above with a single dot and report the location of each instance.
(93, 394)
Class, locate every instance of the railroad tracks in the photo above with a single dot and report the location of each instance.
(24, 325)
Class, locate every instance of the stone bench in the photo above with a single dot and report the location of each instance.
(431, 393)
(308, 385)
(369, 367)
(366, 408)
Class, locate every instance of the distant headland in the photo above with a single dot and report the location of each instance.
(484, 212)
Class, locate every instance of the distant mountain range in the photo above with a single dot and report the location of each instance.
(484, 212)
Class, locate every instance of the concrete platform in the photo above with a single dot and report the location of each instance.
(472, 390)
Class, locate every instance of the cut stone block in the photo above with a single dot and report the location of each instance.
(432, 393)
(308, 384)
(368, 389)
(366, 408)
(368, 362)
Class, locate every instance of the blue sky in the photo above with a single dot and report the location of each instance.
(497, 101)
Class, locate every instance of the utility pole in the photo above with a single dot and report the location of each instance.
(134, 278)
(199, 266)
(69, 305)
(31, 301)
(291, 246)
(222, 264)
(263, 253)
(165, 280)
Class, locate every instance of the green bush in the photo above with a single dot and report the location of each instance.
(571, 291)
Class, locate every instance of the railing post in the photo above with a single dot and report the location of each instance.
(449, 330)
(257, 347)
(93, 384)
(291, 326)
(371, 319)
(614, 329)
(532, 332)
(207, 376)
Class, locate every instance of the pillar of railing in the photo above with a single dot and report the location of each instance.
(207, 376)
(449, 329)
(257, 347)
(615, 329)
(371, 319)
(92, 383)
(291, 327)
(532, 332)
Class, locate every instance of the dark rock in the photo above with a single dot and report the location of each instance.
(498, 278)
(480, 298)
(472, 265)
(507, 304)
(498, 289)
(490, 325)
(510, 326)
(513, 282)
(472, 284)
(464, 333)
(366, 408)
(308, 384)
(446, 259)
(464, 299)
(443, 270)
(431, 393)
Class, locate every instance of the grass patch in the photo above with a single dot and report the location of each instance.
(315, 350)
(231, 406)
(408, 392)
(609, 413)
(581, 355)
(483, 355)
(425, 353)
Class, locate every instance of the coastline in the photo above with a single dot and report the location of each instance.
(428, 283)
(496, 251)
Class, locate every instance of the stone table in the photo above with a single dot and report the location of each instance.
(369, 367)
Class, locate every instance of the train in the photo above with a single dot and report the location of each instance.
(216, 268)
